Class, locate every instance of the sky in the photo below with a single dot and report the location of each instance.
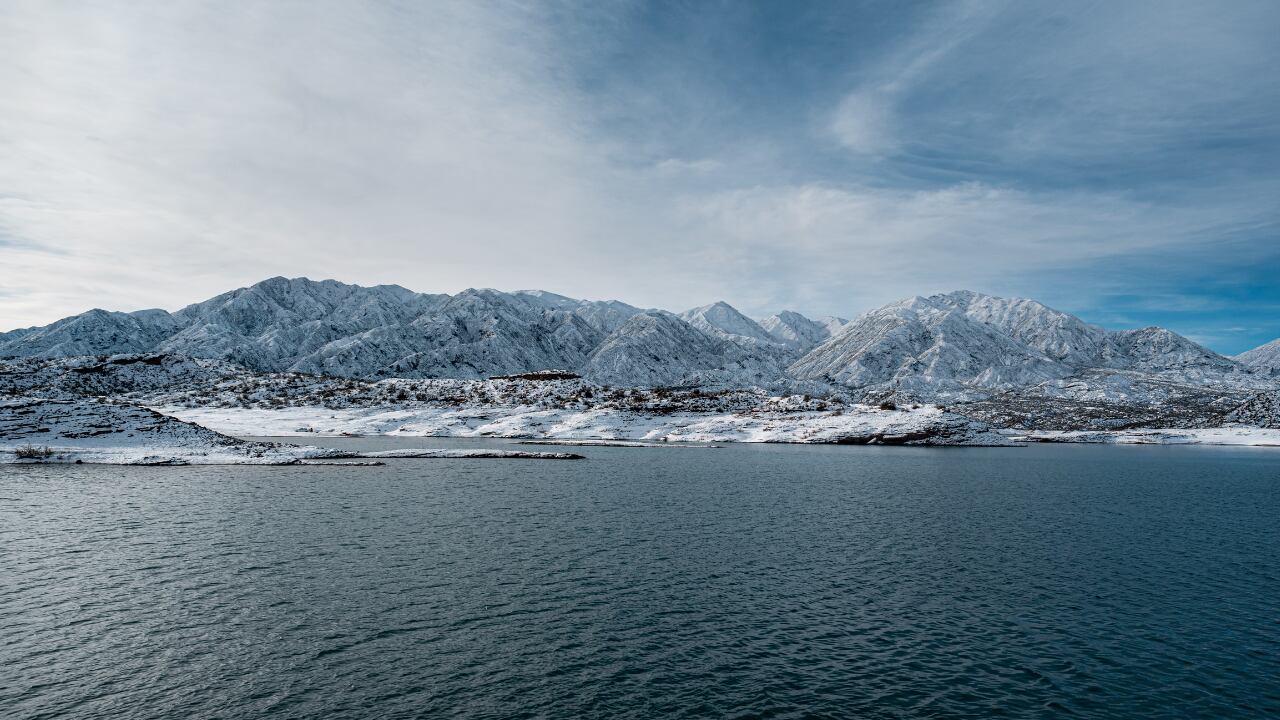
(1117, 160)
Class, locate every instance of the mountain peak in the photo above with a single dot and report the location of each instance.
(962, 341)
(1264, 358)
(721, 319)
(797, 331)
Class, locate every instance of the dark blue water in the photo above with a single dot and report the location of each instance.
(750, 581)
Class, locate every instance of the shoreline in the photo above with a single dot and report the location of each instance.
(681, 429)
(922, 426)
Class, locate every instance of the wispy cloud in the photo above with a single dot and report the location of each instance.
(876, 244)
(1058, 94)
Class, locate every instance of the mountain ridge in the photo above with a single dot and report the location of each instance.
(958, 344)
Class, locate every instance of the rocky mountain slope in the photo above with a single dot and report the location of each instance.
(721, 320)
(330, 328)
(797, 331)
(964, 345)
(957, 347)
(658, 348)
(1263, 359)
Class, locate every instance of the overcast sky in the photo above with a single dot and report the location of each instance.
(1119, 160)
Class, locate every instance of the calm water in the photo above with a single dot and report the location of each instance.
(741, 582)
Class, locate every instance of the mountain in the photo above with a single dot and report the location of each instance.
(832, 323)
(92, 333)
(476, 333)
(923, 345)
(797, 331)
(962, 343)
(331, 328)
(1265, 358)
(274, 324)
(658, 348)
(720, 319)
(961, 346)
(604, 315)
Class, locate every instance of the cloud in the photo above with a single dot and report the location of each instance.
(864, 122)
(1060, 96)
(159, 153)
(875, 244)
(201, 145)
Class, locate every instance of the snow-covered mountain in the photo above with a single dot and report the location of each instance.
(658, 348)
(1265, 358)
(797, 331)
(964, 343)
(475, 333)
(92, 333)
(603, 315)
(961, 346)
(332, 328)
(720, 319)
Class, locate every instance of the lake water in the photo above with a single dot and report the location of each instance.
(747, 581)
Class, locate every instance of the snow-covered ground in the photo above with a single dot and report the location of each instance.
(34, 430)
(93, 431)
(1239, 435)
(921, 426)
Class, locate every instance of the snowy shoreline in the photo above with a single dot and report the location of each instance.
(1230, 435)
(922, 426)
(41, 431)
(648, 430)
(36, 430)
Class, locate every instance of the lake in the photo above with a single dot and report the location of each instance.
(746, 581)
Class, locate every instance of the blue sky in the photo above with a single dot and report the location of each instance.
(1117, 160)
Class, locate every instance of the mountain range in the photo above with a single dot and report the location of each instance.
(956, 345)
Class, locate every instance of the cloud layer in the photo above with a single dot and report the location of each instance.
(825, 158)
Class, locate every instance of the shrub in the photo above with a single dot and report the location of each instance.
(888, 405)
(31, 452)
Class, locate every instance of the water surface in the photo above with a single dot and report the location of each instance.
(748, 581)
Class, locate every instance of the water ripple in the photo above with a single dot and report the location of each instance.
(749, 582)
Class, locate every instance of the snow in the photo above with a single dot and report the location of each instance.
(617, 443)
(435, 454)
(1230, 435)
(94, 431)
(964, 345)
(331, 328)
(100, 432)
(797, 331)
(1008, 362)
(1260, 410)
(924, 426)
(658, 348)
(720, 319)
(1264, 359)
